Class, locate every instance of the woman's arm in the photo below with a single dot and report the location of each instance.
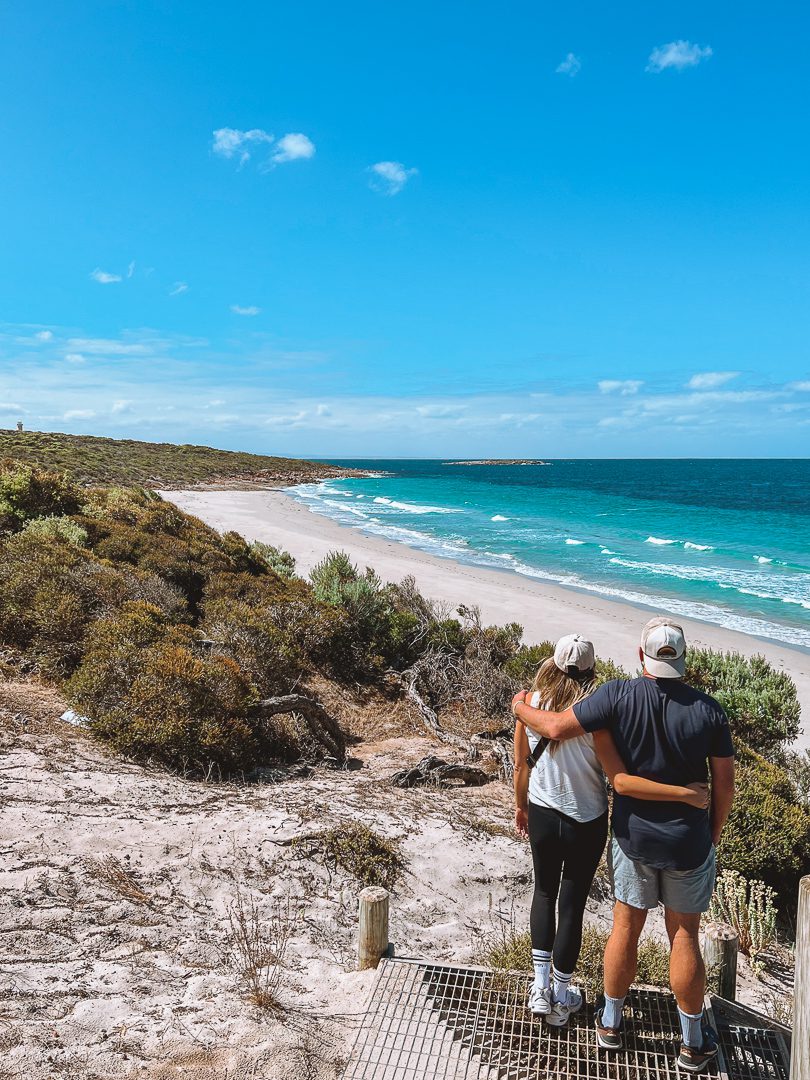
(521, 779)
(639, 788)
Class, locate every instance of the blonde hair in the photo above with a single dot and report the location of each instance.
(559, 690)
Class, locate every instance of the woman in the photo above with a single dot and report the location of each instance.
(561, 805)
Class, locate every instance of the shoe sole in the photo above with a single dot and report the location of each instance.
(694, 1070)
(606, 1045)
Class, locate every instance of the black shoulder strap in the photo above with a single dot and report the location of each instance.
(537, 753)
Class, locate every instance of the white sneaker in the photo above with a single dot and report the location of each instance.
(540, 1000)
(562, 1010)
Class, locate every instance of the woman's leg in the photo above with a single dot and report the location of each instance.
(583, 844)
(547, 856)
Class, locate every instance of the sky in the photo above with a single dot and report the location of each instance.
(423, 230)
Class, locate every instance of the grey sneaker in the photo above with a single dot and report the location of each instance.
(561, 1011)
(607, 1038)
(540, 1000)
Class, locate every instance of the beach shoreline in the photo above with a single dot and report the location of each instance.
(544, 609)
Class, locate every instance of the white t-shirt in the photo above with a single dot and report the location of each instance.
(569, 779)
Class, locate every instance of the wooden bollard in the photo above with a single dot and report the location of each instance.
(800, 1048)
(720, 946)
(372, 944)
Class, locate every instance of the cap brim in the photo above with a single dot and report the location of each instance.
(665, 669)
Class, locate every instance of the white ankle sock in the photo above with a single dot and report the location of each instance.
(612, 1012)
(561, 984)
(692, 1029)
(541, 961)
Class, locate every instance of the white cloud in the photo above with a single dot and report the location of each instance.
(121, 406)
(74, 358)
(228, 142)
(251, 309)
(103, 278)
(620, 386)
(390, 177)
(10, 407)
(323, 410)
(708, 380)
(440, 412)
(571, 65)
(293, 147)
(79, 414)
(287, 421)
(803, 387)
(131, 269)
(44, 335)
(178, 288)
(678, 55)
(108, 346)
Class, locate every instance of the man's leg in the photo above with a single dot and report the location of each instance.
(687, 973)
(621, 951)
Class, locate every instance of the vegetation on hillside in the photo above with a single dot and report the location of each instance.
(194, 650)
(89, 459)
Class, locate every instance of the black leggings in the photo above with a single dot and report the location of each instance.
(571, 850)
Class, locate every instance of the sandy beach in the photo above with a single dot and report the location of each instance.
(544, 610)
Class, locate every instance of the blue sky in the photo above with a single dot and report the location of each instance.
(438, 229)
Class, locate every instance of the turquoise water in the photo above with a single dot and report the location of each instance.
(726, 542)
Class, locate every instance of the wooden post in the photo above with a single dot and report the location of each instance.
(720, 945)
(800, 1049)
(372, 944)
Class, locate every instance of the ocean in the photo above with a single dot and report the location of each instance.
(722, 541)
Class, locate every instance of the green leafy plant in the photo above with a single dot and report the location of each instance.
(369, 858)
(748, 908)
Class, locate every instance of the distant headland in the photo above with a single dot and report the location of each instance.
(499, 461)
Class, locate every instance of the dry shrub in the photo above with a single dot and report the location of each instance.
(258, 941)
(112, 873)
(366, 856)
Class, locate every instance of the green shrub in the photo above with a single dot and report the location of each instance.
(57, 528)
(509, 950)
(767, 837)
(362, 641)
(369, 858)
(27, 491)
(276, 559)
(150, 695)
(272, 655)
(761, 702)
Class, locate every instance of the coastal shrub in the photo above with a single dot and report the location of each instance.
(796, 764)
(362, 641)
(27, 491)
(51, 591)
(767, 836)
(522, 667)
(271, 653)
(57, 528)
(149, 693)
(276, 559)
(368, 857)
(761, 702)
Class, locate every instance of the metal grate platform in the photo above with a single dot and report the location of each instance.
(439, 1022)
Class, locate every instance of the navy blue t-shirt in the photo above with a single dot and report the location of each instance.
(664, 730)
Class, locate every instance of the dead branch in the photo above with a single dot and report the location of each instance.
(323, 727)
(435, 771)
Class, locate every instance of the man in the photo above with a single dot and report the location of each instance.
(662, 852)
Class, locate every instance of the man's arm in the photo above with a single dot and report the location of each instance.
(722, 770)
(551, 725)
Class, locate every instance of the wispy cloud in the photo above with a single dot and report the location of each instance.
(708, 380)
(678, 55)
(231, 142)
(75, 358)
(390, 177)
(571, 66)
(620, 386)
(295, 420)
(109, 347)
(131, 269)
(802, 387)
(440, 412)
(121, 406)
(293, 147)
(103, 278)
(79, 414)
(251, 309)
(44, 335)
(178, 288)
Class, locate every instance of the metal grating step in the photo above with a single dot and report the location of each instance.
(441, 1022)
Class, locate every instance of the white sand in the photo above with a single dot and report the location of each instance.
(544, 610)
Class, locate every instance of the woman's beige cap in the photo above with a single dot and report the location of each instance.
(574, 651)
(664, 646)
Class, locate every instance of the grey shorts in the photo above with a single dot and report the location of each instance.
(643, 886)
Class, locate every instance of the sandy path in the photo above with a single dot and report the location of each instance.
(544, 610)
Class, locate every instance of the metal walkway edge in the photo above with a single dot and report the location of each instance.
(441, 1022)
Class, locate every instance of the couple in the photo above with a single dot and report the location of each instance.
(652, 737)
